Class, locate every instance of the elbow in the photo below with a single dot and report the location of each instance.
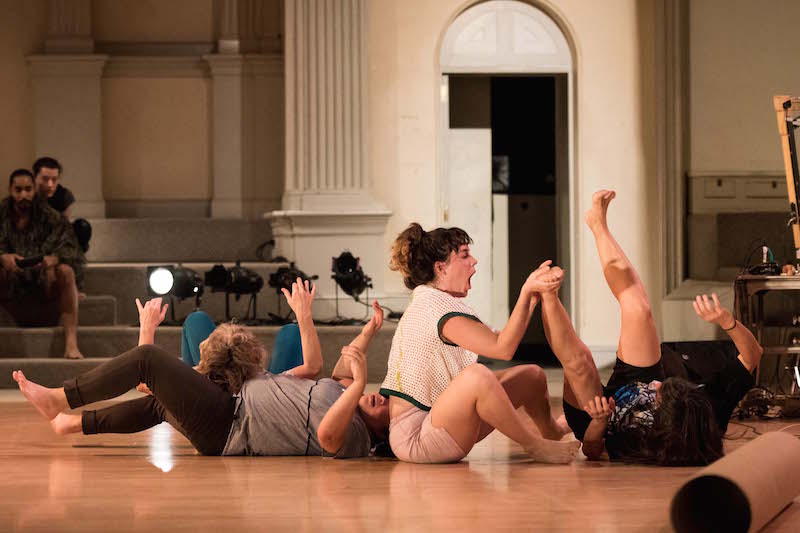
(327, 441)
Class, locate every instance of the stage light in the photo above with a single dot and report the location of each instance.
(285, 276)
(236, 280)
(177, 281)
(348, 274)
(159, 281)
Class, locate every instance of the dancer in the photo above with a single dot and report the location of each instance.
(640, 415)
(229, 406)
(441, 402)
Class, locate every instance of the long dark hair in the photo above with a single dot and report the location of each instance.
(685, 431)
(416, 251)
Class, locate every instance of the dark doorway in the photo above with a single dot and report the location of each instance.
(521, 112)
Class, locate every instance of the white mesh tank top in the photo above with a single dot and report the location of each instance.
(421, 363)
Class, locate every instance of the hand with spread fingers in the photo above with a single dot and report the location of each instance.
(713, 312)
(600, 408)
(300, 298)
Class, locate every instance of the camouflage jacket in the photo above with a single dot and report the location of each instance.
(48, 233)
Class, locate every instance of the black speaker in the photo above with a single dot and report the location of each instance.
(696, 360)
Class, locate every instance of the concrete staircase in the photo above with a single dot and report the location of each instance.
(120, 252)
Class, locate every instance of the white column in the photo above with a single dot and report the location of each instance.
(327, 206)
(69, 27)
(325, 105)
(67, 103)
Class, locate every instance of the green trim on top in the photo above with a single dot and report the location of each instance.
(447, 317)
(406, 397)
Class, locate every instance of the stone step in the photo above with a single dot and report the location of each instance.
(45, 371)
(173, 239)
(128, 281)
(42, 345)
(96, 310)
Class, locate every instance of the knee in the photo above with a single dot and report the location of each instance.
(196, 319)
(149, 353)
(535, 375)
(64, 274)
(637, 305)
(479, 375)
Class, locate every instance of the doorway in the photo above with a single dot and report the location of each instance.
(521, 117)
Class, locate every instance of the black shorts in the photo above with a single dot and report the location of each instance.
(623, 374)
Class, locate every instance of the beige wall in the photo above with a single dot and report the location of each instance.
(742, 54)
(615, 145)
(22, 30)
(156, 139)
(153, 20)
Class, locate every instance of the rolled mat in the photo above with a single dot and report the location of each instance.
(742, 491)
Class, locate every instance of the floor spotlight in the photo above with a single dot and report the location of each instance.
(174, 282)
(283, 279)
(237, 280)
(348, 274)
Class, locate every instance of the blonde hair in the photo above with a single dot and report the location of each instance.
(230, 356)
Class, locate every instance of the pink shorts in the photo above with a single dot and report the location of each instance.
(413, 439)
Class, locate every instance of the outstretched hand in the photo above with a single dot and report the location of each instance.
(375, 323)
(600, 408)
(151, 314)
(300, 298)
(712, 311)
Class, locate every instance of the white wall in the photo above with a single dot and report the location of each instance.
(742, 53)
(614, 144)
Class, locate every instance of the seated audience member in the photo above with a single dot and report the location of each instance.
(47, 172)
(30, 228)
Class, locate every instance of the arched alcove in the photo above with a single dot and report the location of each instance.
(490, 40)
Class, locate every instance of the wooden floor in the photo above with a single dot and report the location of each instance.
(154, 481)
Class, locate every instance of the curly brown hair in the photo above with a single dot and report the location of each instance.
(416, 251)
(230, 356)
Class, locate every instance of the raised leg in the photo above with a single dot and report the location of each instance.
(476, 397)
(638, 339)
(196, 328)
(581, 378)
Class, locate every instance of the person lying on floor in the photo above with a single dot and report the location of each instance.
(229, 405)
(441, 400)
(641, 415)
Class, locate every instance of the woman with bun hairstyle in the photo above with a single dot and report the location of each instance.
(441, 401)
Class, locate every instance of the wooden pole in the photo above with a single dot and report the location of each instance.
(789, 165)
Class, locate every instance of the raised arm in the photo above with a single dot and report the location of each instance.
(477, 337)
(300, 300)
(151, 314)
(342, 372)
(711, 311)
(332, 431)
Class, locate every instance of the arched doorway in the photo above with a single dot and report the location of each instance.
(506, 148)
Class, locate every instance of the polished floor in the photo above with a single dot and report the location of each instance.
(154, 481)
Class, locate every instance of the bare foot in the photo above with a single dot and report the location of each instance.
(72, 353)
(49, 402)
(553, 452)
(596, 216)
(555, 429)
(82, 297)
(64, 424)
(554, 277)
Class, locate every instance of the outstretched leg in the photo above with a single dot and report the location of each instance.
(202, 409)
(476, 397)
(638, 339)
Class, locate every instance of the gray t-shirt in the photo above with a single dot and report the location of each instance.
(280, 414)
